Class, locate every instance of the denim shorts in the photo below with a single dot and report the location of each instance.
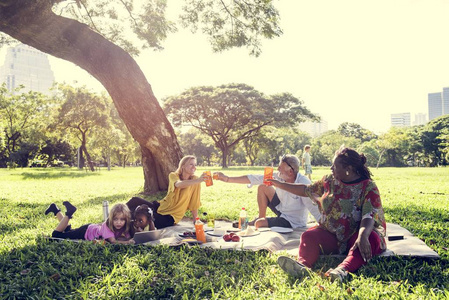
(308, 169)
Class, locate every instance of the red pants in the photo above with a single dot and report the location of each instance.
(317, 240)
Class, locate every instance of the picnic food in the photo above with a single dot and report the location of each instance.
(249, 231)
(189, 233)
(232, 237)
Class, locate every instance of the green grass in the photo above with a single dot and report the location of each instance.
(34, 268)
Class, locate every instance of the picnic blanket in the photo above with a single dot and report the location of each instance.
(266, 239)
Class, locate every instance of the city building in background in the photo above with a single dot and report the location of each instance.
(314, 129)
(420, 119)
(26, 66)
(438, 103)
(445, 103)
(400, 120)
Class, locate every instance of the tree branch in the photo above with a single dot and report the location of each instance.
(88, 14)
(130, 13)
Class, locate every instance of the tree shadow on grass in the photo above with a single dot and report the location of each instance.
(87, 270)
(56, 175)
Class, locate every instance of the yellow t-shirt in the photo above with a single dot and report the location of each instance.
(178, 201)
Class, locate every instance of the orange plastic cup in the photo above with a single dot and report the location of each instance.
(209, 181)
(215, 176)
(267, 174)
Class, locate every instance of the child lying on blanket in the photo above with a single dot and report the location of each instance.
(116, 229)
(143, 219)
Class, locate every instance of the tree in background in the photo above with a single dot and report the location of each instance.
(81, 111)
(356, 131)
(195, 143)
(277, 141)
(57, 150)
(114, 140)
(99, 37)
(324, 146)
(253, 146)
(22, 113)
(231, 113)
(434, 140)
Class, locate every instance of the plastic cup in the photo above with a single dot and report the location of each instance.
(210, 221)
(209, 181)
(215, 176)
(267, 174)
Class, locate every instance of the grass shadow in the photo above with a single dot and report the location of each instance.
(57, 174)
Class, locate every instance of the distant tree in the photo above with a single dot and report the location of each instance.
(324, 147)
(394, 145)
(434, 140)
(112, 30)
(81, 112)
(57, 150)
(371, 150)
(114, 140)
(355, 130)
(252, 146)
(21, 113)
(237, 156)
(25, 153)
(277, 141)
(233, 112)
(196, 143)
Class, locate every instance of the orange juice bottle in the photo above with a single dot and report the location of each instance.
(267, 174)
(209, 181)
(199, 228)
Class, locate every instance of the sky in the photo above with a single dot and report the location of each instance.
(348, 61)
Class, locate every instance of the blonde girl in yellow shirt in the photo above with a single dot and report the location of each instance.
(183, 194)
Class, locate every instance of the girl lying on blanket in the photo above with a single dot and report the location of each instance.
(116, 229)
(143, 219)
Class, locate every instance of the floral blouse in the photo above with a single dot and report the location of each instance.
(344, 206)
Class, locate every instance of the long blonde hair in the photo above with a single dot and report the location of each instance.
(183, 162)
(119, 208)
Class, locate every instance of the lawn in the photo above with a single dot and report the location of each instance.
(32, 267)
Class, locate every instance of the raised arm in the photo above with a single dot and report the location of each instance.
(294, 188)
(181, 184)
(237, 179)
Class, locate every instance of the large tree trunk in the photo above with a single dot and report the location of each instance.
(33, 23)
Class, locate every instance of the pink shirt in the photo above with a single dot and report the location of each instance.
(98, 231)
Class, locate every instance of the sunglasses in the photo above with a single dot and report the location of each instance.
(283, 159)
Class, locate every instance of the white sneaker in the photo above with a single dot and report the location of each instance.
(338, 274)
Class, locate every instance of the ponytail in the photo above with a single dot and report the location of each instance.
(350, 157)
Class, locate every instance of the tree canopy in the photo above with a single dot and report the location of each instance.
(81, 112)
(94, 34)
(231, 113)
(20, 113)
